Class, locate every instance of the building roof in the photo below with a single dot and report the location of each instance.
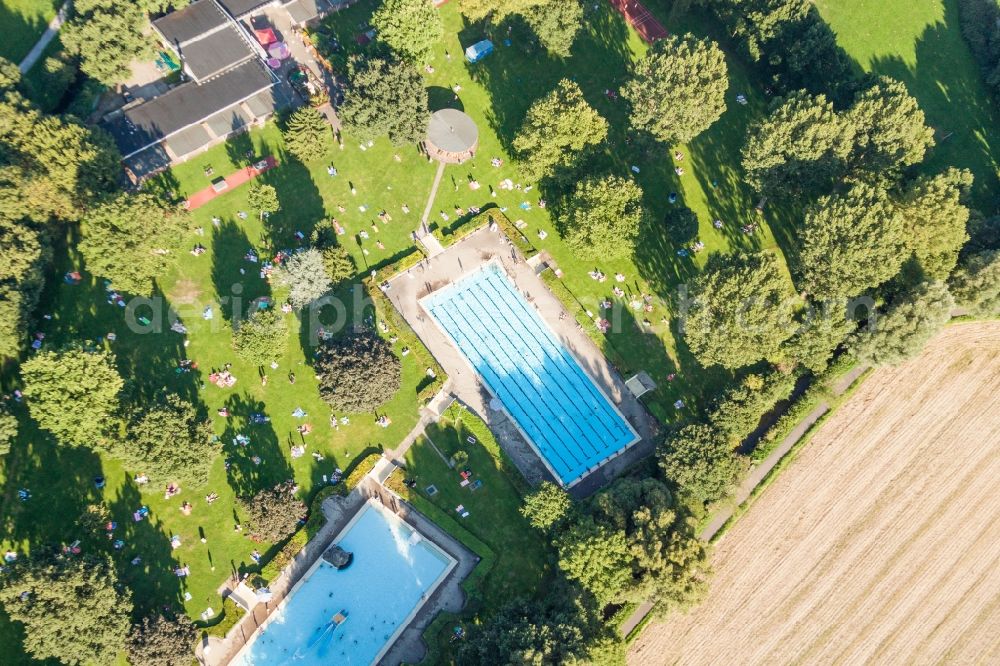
(452, 131)
(191, 22)
(144, 125)
(219, 51)
(239, 8)
(302, 11)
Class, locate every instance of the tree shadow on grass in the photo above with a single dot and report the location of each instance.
(152, 579)
(517, 75)
(957, 106)
(236, 291)
(302, 207)
(150, 355)
(261, 463)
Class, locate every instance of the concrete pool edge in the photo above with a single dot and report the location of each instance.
(502, 271)
(390, 516)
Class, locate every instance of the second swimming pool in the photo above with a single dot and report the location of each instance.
(565, 416)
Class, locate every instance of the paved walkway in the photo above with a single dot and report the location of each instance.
(433, 194)
(758, 474)
(641, 19)
(50, 33)
(233, 180)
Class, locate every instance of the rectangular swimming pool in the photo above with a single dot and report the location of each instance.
(393, 572)
(568, 420)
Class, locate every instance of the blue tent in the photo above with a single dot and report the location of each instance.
(479, 50)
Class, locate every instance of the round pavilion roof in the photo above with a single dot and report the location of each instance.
(452, 131)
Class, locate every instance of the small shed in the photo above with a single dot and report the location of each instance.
(640, 384)
(479, 50)
(452, 136)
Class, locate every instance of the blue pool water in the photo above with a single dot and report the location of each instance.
(393, 568)
(571, 423)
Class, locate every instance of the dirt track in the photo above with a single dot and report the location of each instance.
(880, 543)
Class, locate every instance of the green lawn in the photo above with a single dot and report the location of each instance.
(22, 22)
(521, 559)
(919, 42)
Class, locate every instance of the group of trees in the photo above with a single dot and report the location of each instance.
(75, 610)
(51, 169)
(677, 91)
(127, 239)
(806, 147)
(631, 542)
(169, 438)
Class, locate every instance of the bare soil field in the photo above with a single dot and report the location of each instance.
(880, 543)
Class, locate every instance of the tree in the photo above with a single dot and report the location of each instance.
(159, 641)
(307, 134)
(740, 310)
(73, 609)
(821, 331)
(905, 328)
(852, 242)
(546, 507)
(170, 442)
(678, 89)
(263, 198)
(740, 409)
(357, 372)
(8, 429)
(24, 254)
(94, 519)
(556, 130)
(701, 462)
(126, 239)
(384, 98)
(598, 557)
(411, 28)
(273, 513)
(976, 284)
(337, 261)
(262, 337)
(304, 273)
(603, 217)
(890, 130)
(799, 149)
(682, 225)
(556, 23)
(936, 219)
(72, 393)
(107, 36)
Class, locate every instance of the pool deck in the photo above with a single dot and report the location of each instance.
(467, 256)
(339, 511)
